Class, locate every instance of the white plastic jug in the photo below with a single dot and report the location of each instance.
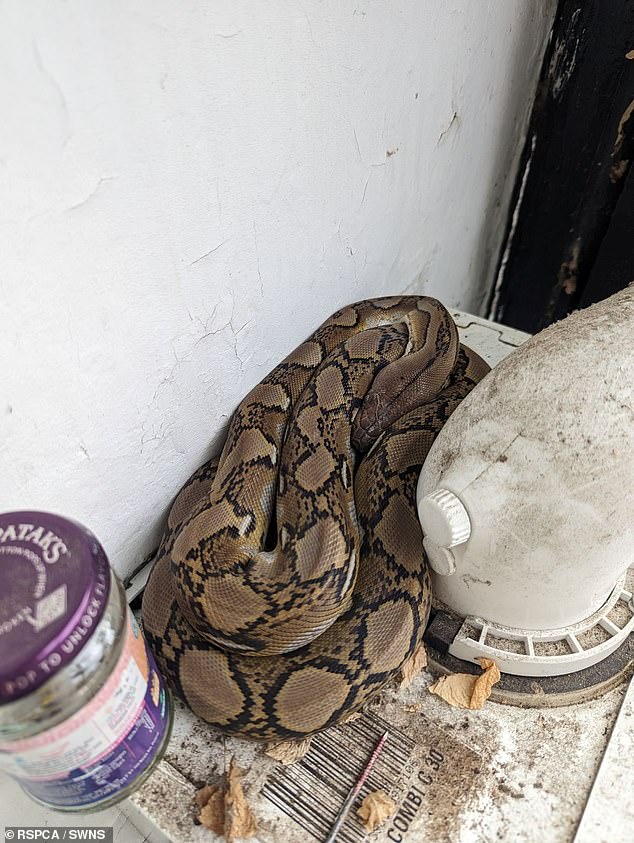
(527, 497)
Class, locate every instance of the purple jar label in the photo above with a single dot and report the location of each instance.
(100, 750)
(54, 586)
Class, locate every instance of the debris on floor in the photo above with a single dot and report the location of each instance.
(211, 801)
(225, 810)
(413, 667)
(464, 690)
(375, 808)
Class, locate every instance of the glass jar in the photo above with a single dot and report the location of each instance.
(84, 714)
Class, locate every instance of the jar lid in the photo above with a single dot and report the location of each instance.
(54, 587)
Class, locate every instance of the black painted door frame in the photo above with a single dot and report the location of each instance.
(570, 233)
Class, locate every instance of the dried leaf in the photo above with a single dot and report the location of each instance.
(204, 795)
(225, 810)
(375, 808)
(413, 707)
(211, 801)
(239, 819)
(464, 690)
(288, 752)
(484, 683)
(630, 55)
(455, 689)
(413, 667)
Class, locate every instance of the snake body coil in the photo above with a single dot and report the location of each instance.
(279, 637)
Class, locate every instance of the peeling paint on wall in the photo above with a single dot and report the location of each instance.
(564, 57)
(620, 132)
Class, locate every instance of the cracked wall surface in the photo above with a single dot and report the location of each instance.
(188, 190)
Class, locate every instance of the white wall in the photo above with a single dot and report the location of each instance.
(188, 188)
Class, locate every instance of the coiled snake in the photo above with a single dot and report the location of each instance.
(291, 583)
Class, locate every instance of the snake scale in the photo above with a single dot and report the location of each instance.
(291, 583)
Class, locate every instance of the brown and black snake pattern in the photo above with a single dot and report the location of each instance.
(278, 638)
